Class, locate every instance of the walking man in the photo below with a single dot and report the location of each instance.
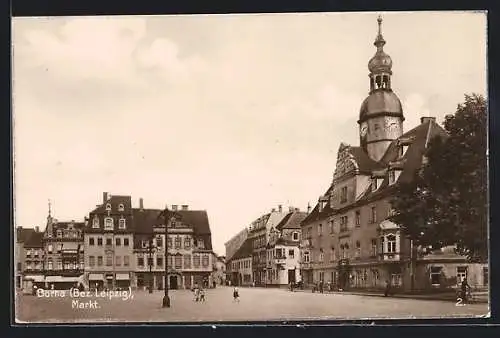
(236, 295)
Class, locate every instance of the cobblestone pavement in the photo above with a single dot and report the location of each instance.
(256, 305)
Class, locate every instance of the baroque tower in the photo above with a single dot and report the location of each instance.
(381, 114)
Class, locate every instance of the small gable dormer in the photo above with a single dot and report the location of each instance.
(377, 179)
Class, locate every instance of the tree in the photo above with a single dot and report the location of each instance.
(446, 203)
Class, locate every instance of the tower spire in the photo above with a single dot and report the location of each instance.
(379, 40)
(50, 210)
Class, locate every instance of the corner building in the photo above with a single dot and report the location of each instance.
(347, 240)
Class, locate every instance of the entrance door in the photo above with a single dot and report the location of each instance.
(291, 276)
(173, 282)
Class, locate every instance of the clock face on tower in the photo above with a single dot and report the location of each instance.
(363, 129)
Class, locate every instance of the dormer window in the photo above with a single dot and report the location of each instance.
(295, 236)
(108, 223)
(394, 175)
(121, 207)
(95, 222)
(343, 195)
(122, 223)
(403, 149)
(59, 233)
(374, 184)
(108, 207)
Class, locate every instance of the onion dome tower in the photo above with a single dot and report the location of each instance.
(381, 114)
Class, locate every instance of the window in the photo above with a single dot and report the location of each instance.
(330, 225)
(159, 261)
(122, 223)
(396, 279)
(322, 276)
(151, 261)
(49, 265)
(392, 176)
(140, 261)
(201, 243)
(159, 242)
(95, 222)
(358, 249)
(374, 184)
(205, 261)
(187, 242)
(187, 261)
(321, 255)
(49, 248)
(109, 260)
(391, 244)
(108, 223)
(59, 233)
(374, 248)
(91, 261)
(169, 242)
(125, 242)
(332, 254)
(373, 217)
(99, 260)
(196, 261)
(485, 276)
(306, 257)
(320, 229)
(357, 216)
(436, 275)
(343, 195)
(108, 207)
(291, 253)
(403, 150)
(126, 261)
(177, 242)
(375, 277)
(118, 261)
(295, 236)
(109, 241)
(344, 248)
(178, 262)
(121, 207)
(343, 223)
(461, 273)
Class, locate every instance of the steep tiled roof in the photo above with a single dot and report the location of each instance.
(22, 234)
(115, 201)
(365, 163)
(315, 213)
(34, 240)
(244, 251)
(292, 220)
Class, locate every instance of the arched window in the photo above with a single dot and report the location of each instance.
(121, 207)
(108, 207)
(108, 223)
(391, 243)
(95, 222)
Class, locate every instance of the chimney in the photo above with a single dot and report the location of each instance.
(290, 209)
(273, 210)
(104, 197)
(174, 207)
(141, 203)
(308, 207)
(280, 208)
(425, 119)
(37, 228)
(185, 207)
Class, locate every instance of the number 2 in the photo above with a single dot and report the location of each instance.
(459, 302)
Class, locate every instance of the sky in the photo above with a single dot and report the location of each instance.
(233, 114)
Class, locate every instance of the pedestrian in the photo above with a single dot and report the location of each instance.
(464, 287)
(387, 288)
(196, 292)
(202, 295)
(321, 286)
(236, 295)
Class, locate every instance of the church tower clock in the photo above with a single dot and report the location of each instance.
(381, 114)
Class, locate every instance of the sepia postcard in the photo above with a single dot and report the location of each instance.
(250, 167)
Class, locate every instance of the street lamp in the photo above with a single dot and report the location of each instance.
(167, 214)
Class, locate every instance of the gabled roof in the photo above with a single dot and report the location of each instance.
(34, 240)
(365, 163)
(115, 201)
(292, 220)
(22, 234)
(244, 251)
(316, 214)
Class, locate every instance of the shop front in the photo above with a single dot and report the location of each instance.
(96, 281)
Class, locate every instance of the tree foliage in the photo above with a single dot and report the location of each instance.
(446, 203)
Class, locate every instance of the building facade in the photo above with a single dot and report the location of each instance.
(108, 244)
(236, 242)
(259, 235)
(29, 258)
(189, 245)
(219, 270)
(63, 253)
(348, 240)
(239, 267)
(283, 252)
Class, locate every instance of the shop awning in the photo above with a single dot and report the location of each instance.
(70, 247)
(61, 279)
(122, 276)
(35, 278)
(96, 276)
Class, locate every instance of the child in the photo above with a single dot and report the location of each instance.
(236, 296)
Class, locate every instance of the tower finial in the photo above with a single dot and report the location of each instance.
(379, 20)
(50, 209)
(379, 40)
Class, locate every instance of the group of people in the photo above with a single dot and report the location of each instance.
(199, 294)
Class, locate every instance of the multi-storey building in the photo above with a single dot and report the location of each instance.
(219, 269)
(259, 234)
(29, 256)
(348, 239)
(63, 253)
(236, 242)
(239, 267)
(283, 253)
(108, 244)
(189, 243)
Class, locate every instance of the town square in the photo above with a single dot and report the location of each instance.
(237, 168)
